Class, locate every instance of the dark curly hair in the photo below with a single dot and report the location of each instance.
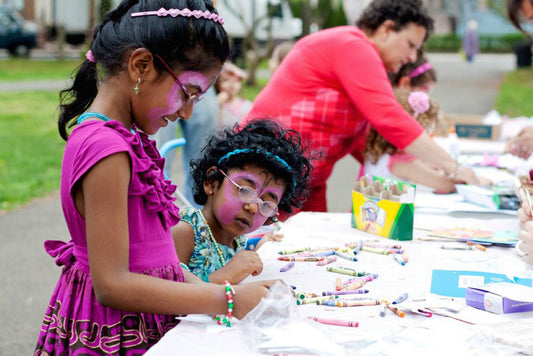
(402, 12)
(377, 145)
(262, 139)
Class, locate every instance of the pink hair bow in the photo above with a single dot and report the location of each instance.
(419, 102)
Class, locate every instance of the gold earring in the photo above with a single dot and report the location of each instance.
(210, 192)
(136, 89)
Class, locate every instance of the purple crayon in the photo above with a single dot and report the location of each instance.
(287, 267)
(343, 292)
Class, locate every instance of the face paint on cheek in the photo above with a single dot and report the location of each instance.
(231, 206)
(174, 103)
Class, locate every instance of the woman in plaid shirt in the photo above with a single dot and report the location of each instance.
(333, 86)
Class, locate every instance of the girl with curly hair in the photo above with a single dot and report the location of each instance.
(385, 160)
(244, 178)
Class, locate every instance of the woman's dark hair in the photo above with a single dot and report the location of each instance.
(186, 43)
(514, 13)
(261, 140)
(429, 75)
(402, 12)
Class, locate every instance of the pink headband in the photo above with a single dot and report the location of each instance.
(420, 70)
(185, 13)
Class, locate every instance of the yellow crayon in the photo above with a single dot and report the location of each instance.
(357, 303)
(396, 311)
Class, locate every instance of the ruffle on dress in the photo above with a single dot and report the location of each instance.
(148, 179)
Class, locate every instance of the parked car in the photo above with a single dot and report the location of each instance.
(17, 35)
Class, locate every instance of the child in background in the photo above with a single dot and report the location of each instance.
(416, 76)
(243, 178)
(232, 108)
(278, 54)
(384, 160)
(122, 285)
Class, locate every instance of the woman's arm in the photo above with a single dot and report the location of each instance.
(419, 172)
(105, 197)
(427, 150)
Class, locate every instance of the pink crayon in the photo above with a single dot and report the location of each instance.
(336, 322)
(328, 260)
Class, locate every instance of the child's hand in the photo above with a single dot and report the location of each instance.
(248, 295)
(241, 265)
(269, 236)
(526, 232)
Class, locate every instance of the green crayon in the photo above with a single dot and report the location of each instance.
(288, 252)
(348, 271)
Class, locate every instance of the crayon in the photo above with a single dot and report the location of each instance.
(357, 303)
(327, 261)
(358, 247)
(287, 267)
(382, 308)
(343, 292)
(288, 252)
(315, 299)
(405, 257)
(354, 285)
(346, 256)
(376, 250)
(347, 271)
(337, 284)
(335, 322)
(368, 278)
(399, 259)
(476, 245)
(456, 247)
(301, 259)
(400, 299)
(396, 311)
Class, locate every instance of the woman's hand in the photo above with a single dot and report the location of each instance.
(522, 144)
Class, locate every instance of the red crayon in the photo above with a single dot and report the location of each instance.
(336, 322)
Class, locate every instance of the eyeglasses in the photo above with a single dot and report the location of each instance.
(191, 99)
(249, 195)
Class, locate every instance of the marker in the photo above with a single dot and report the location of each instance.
(335, 322)
(456, 247)
(400, 299)
(301, 259)
(396, 311)
(343, 292)
(287, 267)
(399, 259)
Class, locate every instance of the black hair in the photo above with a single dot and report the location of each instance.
(514, 13)
(402, 12)
(265, 138)
(186, 43)
(429, 75)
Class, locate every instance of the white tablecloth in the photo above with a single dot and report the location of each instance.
(390, 335)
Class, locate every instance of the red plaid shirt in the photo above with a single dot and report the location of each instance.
(331, 86)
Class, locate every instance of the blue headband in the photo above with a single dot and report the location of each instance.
(266, 153)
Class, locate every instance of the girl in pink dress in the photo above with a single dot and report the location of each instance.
(121, 285)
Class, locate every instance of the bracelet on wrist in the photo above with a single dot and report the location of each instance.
(456, 172)
(226, 319)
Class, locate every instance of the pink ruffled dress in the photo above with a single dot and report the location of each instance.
(75, 323)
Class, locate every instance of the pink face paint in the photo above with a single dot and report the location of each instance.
(232, 206)
(175, 96)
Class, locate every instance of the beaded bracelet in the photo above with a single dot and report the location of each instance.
(226, 320)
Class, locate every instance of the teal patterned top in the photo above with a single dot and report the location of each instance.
(204, 258)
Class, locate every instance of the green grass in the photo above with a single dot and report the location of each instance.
(30, 147)
(250, 92)
(516, 94)
(25, 69)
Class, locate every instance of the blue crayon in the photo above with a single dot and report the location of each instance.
(343, 292)
(358, 247)
(398, 258)
(400, 299)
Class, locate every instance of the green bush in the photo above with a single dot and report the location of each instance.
(487, 43)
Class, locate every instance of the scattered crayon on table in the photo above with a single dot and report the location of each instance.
(287, 267)
(335, 322)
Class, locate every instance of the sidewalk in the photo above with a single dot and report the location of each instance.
(29, 275)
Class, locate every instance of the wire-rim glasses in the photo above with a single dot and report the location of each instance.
(249, 195)
(191, 99)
